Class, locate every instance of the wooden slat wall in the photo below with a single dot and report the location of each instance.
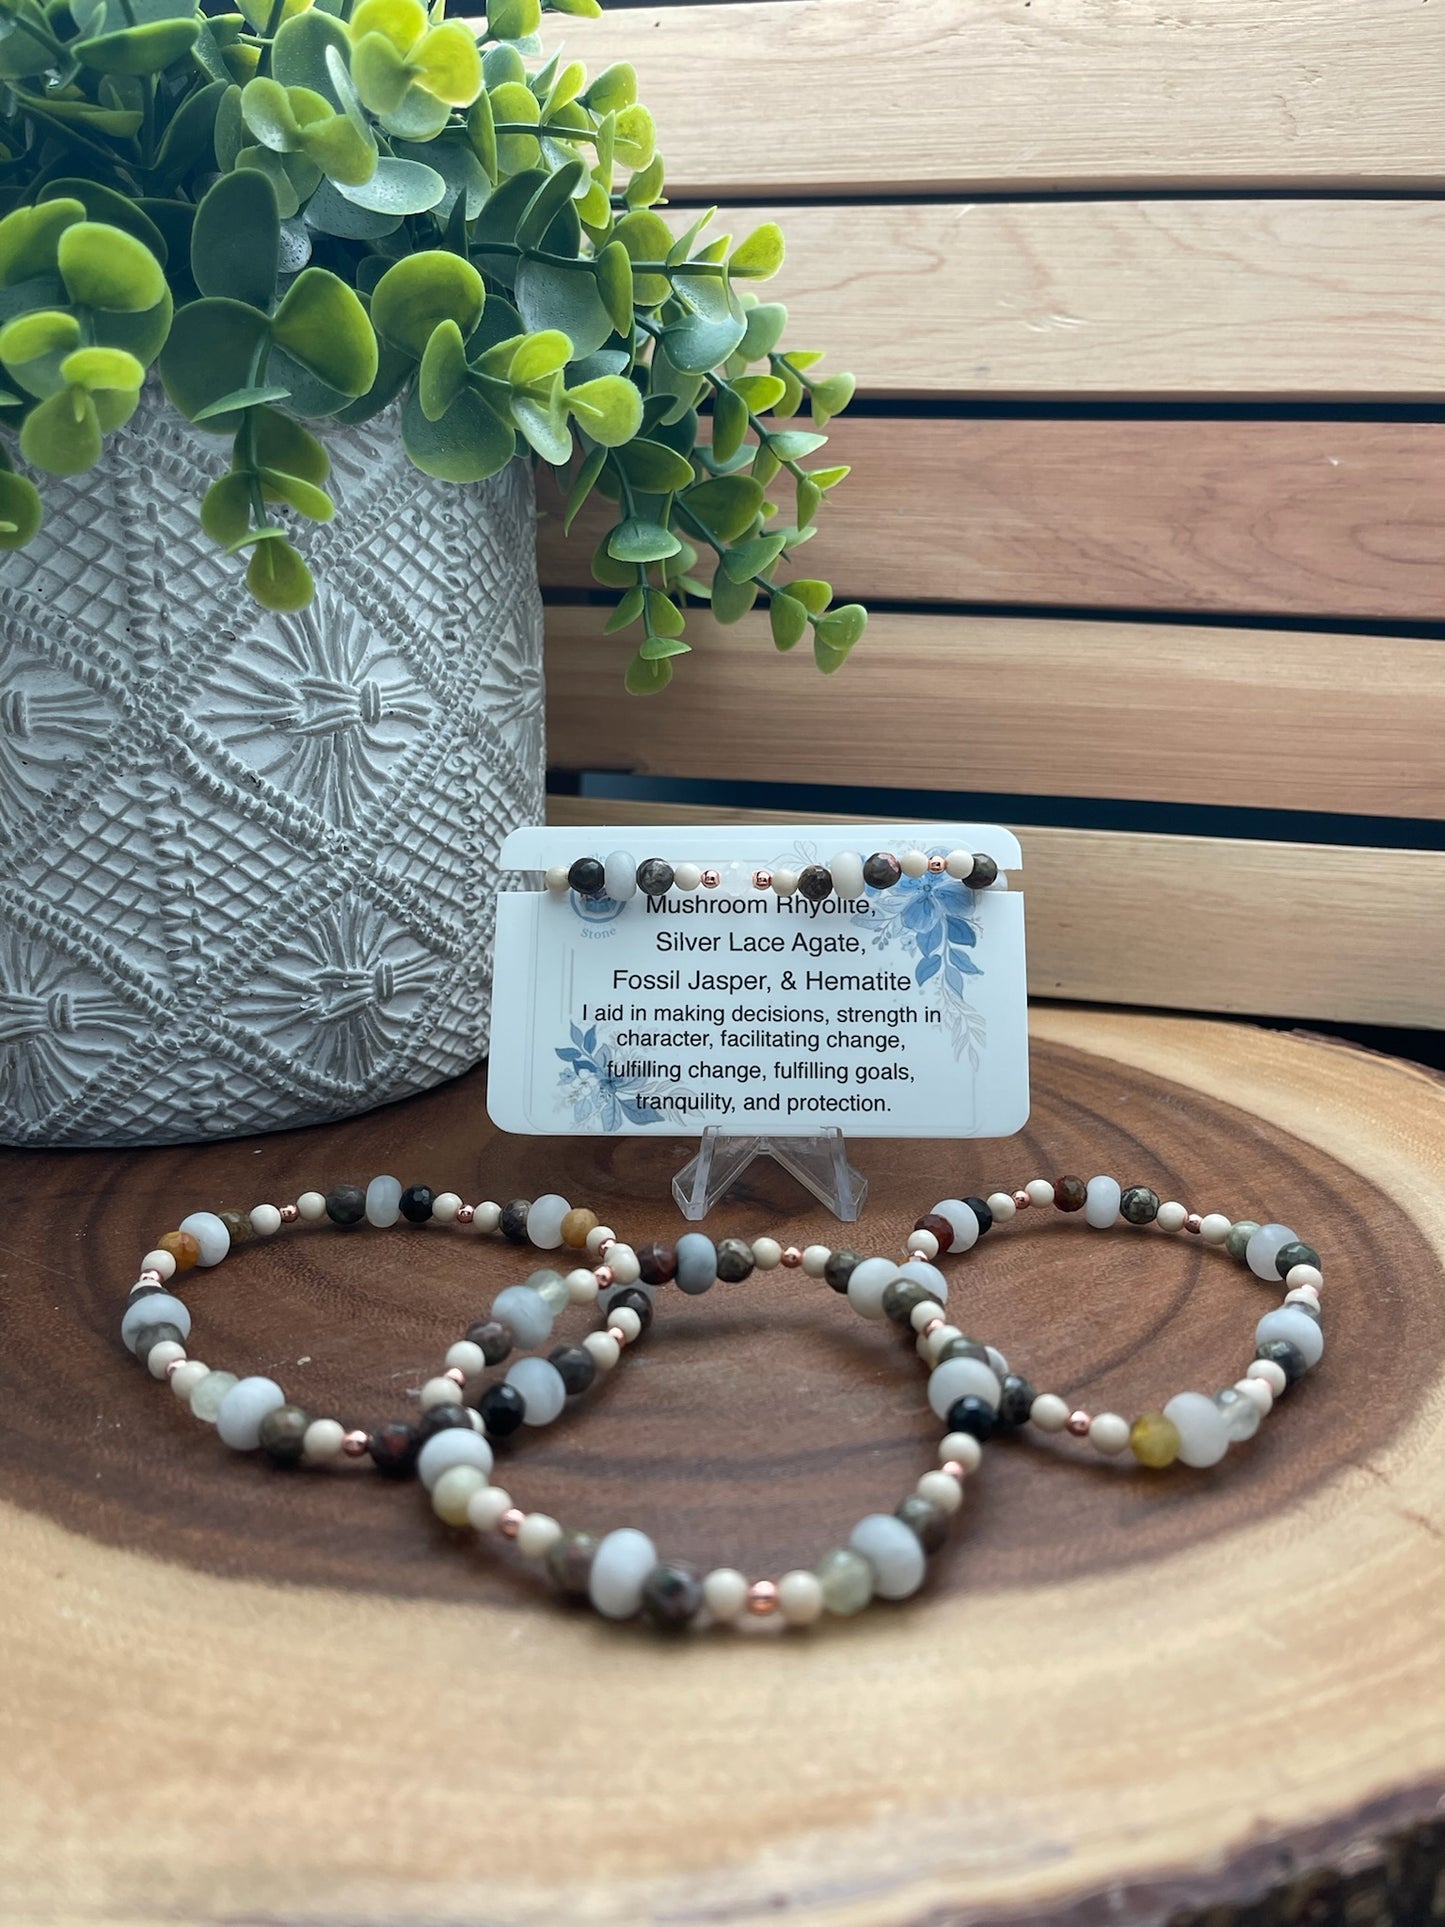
(1034, 547)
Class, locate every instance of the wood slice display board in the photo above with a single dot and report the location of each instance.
(230, 1693)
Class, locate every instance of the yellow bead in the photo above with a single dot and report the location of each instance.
(183, 1248)
(576, 1225)
(1154, 1439)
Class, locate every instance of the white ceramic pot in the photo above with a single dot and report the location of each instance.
(248, 861)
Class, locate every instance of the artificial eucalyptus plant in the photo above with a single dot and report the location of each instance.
(301, 212)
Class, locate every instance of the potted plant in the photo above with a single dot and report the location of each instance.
(284, 293)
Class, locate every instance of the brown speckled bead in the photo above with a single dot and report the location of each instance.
(632, 1300)
(393, 1448)
(734, 1261)
(183, 1248)
(514, 1220)
(283, 1434)
(1070, 1194)
(983, 873)
(569, 1563)
(882, 870)
(840, 1268)
(238, 1223)
(901, 1297)
(493, 1337)
(656, 1263)
(575, 1226)
(925, 1520)
(815, 883)
(671, 1596)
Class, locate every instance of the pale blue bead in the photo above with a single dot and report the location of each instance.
(383, 1202)
(156, 1308)
(1289, 1322)
(893, 1551)
(526, 1316)
(210, 1395)
(551, 1288)
(917, 1272)
(1203, 1430)
(997, 1360)
(621, 873)
(958, 1378)
(543, 1392)
(238, 1422)
(210, 1234)
(1260, 1251)
(1241, 1414)
(455, 1446)
(1101, 1202)
(961, 1217)
(620, 1567)
(544, 1220)
(696, 1263)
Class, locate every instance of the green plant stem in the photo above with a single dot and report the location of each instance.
(273, 27)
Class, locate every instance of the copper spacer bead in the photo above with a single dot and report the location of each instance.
(465, 1213)
(605, 1276)
(510, 1523)
(762, 879)
(1022, 1200)
(289, 1213)
(1078, 1424)
(456, 1375)
(792, 1258)
(933, 1325)
(937, 865)
(1193, 1223)
(353, 1444)
(953, 1469)
(150, 1276)
(617, 1335)
(605, 1246)
(710, 879)
(762, 1598)
(174, 1366)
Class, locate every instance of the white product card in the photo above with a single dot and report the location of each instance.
(900, 1013)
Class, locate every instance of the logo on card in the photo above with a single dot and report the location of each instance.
(595, 910)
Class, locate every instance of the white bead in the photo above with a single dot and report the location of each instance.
(1271, 1374)
(1049, 1412)
(163, 1263)
(1258, 1390)
(923, 1243)
(943, 1336)
(1101, 1202)
(958, 1378)
(311, 1207)
(1296, 1278)
(913, 863)
(383, 1202)
(1040, 1191)
(321, 1443)
(1001, 1204)
(440, 1391)
(958, 863)
(800, 1593)
(1298, 1328)
(465, 1357)
(1264, 1243)
(962, 1449)
(210, 1234)
(918, 1271)
(581, 1286)
(445, 1206)
(455, 1446)
(620, 1567)
(623, 1261)
(767, 1254)
(624, 1319)
(965, 1225)
(486, 1217)
(892, 1550)
(942, 1490)
(238, 1422)
(686, 876)
(1171, 1216)
(541, 1387)
(537, 1535)
(452, 1495)
(1108, 1433)
(815, 1259)
(923, 1315)
(997, 1360)
(785, 882)
(726, 1591)
(265, 1220)
(1214, 1227)
(619, 873)
(867, 1284)
(599, 1235)
(485, 1508)
(1305, 1295)
(185, 1380)
(544, 1220)
(1203, 1433)
(605, 1351)
(557, 878)
(162, 1355)
(847, 872)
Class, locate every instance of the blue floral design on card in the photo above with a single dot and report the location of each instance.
(598, 1098)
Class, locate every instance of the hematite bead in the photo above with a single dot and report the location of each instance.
(283, 1433)
(149, 1336)
(1139, 1205)
(415, 1203)
(840, 1268)
(502, 1408)
(1016, 1401)
(671, 1596)
(442, 1418)
(656, 1263)
(815, 883)
(1070, 1193)
(654, 877)
(981, 1211)
(588, 877)
(1289, 1358)
(514, 1220)
(983, 873)
(935, 1222)
(925, 1520)
(637, 1301)
(1237, 1238)
(734, 1261)
(901, 1296)
(973, 1415)
(238, 1224)
(962, 1348)
(393, 1448)
(346, 1204)
(1298, 1253)
(576, 1367)
(882, 870)
(569, 1563)
(493, 1337)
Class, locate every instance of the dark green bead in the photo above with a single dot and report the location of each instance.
(1238, 1236)
(283, 1434)
(815, 883)
(149, 1336)
(1016, 1402)
(1289, 1358)
(1298, 1253)
(671, 1596)
(840, 1268)
(654, 877)
(901, 1296)
(346, 1204)
(569, 1563)
(962, 1348)
(238, 1223)
(925, 1520)
(1139, 1205)
(734, 1261)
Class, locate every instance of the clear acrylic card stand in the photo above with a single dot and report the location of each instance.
(820, 1164)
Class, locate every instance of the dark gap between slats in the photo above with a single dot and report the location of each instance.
(1119, 409)
(885, 193)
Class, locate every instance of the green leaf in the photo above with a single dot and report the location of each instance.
(789, 620)
(647, 678)
(285, 444)
(62, 435)
(99, 368)
(413, 298)
(26, 48)
(636, 138)
(636, 540)
(396, 187)
(760, 255)
(443, 370)
(469, 442)
(731, 600)
(30, 238)
(657, 648)
(103, 267)
(209, 355)
(696, 344)
(654, 468)
(727, 506)
(810, 498)
(20, 511)
(645, 189)
(836, 633)
(102, 203)
(322, 324)
(513, 19)
(236, 240)
(138, 50)
(277, 576)
(729, 424)
(614, 285)
(814, 594)
(646, 237)
(830, 396)
(826, 478)
(548, 202)
(226, 510)
(612, 575)
(48, 331)
(297, 493)
(792, 444)
(609, 409)
(663, 614)
(583, 486)
(765, 324)
(752, 557)
(267, 112)
(331, 213)
(237, 399)
(299, 53)
(544, 423)
(142, 335)
(564, 299)
(583, 9)
(791, 398)
(627, 611)
(540, 355)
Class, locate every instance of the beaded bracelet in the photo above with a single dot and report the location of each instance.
(619, 877)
